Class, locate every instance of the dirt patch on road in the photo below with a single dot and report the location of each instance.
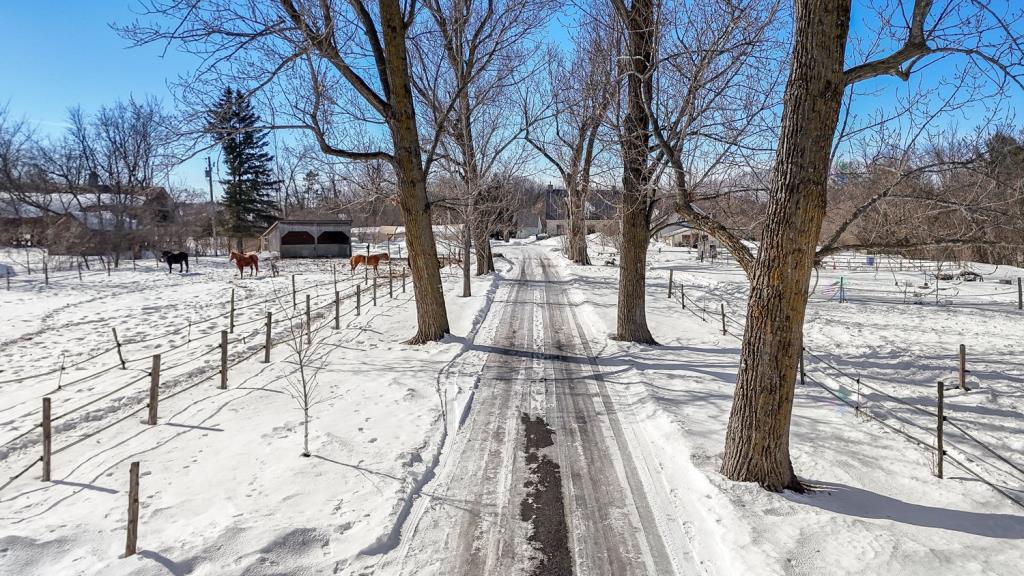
(542, 506)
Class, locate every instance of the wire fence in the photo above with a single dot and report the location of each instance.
(219, 316)
(286, 330)
(880, 399)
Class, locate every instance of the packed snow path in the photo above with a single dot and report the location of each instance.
(611, 514)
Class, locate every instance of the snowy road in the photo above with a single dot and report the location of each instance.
(546, 475)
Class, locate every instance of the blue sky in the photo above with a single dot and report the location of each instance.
(59, 53)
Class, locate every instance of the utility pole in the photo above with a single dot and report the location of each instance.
(213, 226)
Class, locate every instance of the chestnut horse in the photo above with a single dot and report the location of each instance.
(243, 260)
(372, 260)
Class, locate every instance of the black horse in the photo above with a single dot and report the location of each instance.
(172, 258)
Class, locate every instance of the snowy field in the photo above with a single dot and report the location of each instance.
(876, 507)
(224, 489)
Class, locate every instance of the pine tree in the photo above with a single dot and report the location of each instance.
(250, 183)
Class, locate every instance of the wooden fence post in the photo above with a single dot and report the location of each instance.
(670, 283)
(46, 273)
(309, 323)
(223, 359)
(1020, 295)
(963, 367)
(391, 285)
(374, 290)
(294, 302)
(941, 419)
(337, 310)
(47, 438)
(334, 274)
(133, 510)
(724, 331)
(118, 343)
(403, 278)
(267, 343)
(154, 389)
(682, 296)
(231, 317)
(359, 291)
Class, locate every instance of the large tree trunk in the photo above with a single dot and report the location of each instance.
(467, 247)
(483, 249)
(431, 314)
(757, 440)
(576, 202)
(631, 321)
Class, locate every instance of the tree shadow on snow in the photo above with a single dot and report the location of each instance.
(850, 501)
(175, 568)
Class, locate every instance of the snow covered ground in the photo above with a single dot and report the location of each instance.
(876, 507)
(225, 491)
(223, 488)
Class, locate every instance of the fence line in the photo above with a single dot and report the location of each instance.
(191, 324)
(683, 298)
(327, 319)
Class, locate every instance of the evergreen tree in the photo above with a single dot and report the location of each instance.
(250, 183)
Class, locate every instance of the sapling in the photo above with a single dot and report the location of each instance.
(304, 342)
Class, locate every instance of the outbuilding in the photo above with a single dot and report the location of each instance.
(309, 238)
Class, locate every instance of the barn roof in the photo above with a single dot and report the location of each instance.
(308, 222)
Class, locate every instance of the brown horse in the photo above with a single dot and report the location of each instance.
(243, 260)
(373, 260)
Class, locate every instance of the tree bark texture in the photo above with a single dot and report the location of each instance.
(576, 215)
(431, 314)
(631, 320)
(467, 247)
(484, 262)
(757, 439)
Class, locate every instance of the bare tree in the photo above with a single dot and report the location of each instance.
(982, 36)
(306, 360)
(337, 70)
(469, 62)
(700, 82)
(564, 117)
